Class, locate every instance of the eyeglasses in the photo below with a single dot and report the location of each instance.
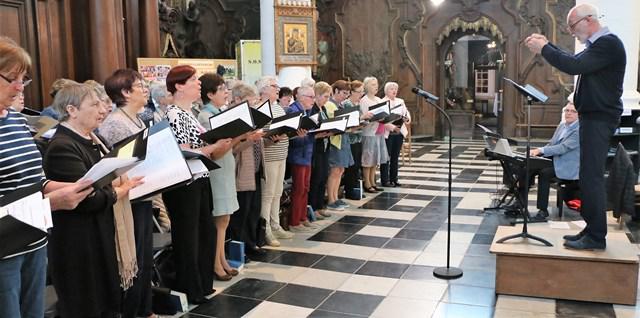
(570, 111)
(310, 96)
(26, 80)
(275, 86)
(573, 25)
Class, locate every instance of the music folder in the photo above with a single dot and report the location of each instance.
(40, 124)
(351, 113)
(310, 122)
(380, 111)
(262, 115)
(24, 218)
(125, 155)
(230, 123)
(164, 167)
(284, 125)
(197, 155)
(336, 125)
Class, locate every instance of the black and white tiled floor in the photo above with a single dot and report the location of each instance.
(376, 258)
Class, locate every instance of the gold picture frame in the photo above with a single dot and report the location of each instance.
(295, 36)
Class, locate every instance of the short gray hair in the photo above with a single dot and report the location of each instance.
(242, 90)
(71, 94)
(265, 82)
(367, 80)
(585, 9)
(389, 85)
(158, 91)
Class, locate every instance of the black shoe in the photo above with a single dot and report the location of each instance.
(586, 243)
(199, 300)
(541, 216)
(573, 237)
(387, 184)
(256, 251)
(397, 184)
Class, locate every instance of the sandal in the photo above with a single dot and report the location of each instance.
(370, 190)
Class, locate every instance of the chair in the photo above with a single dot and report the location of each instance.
(405, 151)
(563, 189)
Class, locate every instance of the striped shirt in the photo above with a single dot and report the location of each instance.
(20, 161)
(276, 151)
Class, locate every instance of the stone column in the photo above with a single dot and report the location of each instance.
(267, 37)
(621, 18)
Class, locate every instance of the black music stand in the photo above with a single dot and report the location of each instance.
(447, 272)
(531, 94)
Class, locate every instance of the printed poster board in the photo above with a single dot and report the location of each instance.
(156, 69)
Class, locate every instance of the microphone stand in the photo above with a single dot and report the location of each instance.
(447, 272)
(525, 201)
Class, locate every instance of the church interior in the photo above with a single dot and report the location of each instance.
(422, 243)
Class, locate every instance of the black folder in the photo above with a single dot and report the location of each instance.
(310, 122)
(392, 118)
(139, 144)
(210, 164)
(284, 130)
(16, 235)
(30, 112)
(381, 115)
(262, 115)
(230, 123)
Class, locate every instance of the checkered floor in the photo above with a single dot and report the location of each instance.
(377, 257)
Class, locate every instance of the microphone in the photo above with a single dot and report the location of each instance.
(425, 94)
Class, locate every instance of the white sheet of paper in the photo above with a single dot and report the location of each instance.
(265, 109)
(338, 124)
(381, 109)
(559, 225)
(163, 166)
(106, 166)
(315, 117)
(293, 122)
(30, 210)
(197, 168)
(581, 224)
(239, 112)
(353, 118)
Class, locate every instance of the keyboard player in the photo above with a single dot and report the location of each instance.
(564, 149)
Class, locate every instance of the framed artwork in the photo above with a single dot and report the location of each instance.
(295, 36)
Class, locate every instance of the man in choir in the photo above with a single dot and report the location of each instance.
(600, 69)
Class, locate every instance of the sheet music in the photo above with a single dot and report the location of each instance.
(164, 165)
(293, 122)
(239, 112)
(380, 110)
(340, 125)
(197, 168)
(265, 108)
(315, 117)
(353, 118)
(32, 210)
(106, 166)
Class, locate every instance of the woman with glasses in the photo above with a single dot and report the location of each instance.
(23, 274)
(127, 89)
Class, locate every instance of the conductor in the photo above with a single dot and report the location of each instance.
(600, 69)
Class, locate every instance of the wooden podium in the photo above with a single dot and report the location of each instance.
(528, 268)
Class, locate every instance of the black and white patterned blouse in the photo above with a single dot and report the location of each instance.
(186, 127)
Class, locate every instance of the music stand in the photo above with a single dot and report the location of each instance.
(531, 94)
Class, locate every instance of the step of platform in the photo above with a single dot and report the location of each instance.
(529, 268)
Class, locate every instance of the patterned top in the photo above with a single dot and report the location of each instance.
(186, 128)
(117, 126)
(276, 151)
(20, 161)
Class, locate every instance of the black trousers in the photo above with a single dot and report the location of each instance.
(137, 299)
(193, 236)
(594, 145)
(243, 225)
(389, 171)
(545, 176)
(352, 175)
(319, 176)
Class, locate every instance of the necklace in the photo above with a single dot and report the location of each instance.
(138, 124)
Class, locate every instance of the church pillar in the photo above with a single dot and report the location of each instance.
(267, 37)
(621, 18)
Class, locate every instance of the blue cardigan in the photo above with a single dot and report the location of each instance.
(564, 147)
(300, 148)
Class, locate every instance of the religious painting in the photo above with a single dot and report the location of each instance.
(295, 38)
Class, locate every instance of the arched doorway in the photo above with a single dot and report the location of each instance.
(469, 75)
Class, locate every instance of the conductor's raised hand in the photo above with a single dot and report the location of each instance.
(535, 42)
